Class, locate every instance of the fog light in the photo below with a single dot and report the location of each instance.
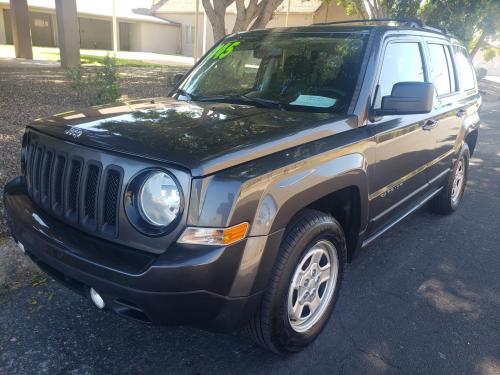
(97, 299)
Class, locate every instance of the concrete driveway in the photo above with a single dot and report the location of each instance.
(423, 299)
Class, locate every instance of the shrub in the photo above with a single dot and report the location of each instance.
(96, 85)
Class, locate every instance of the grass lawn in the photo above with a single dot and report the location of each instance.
(53, 55)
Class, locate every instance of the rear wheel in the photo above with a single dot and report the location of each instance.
(448, 200)
(304, 284)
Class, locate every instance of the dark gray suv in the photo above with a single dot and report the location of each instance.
(239, 198)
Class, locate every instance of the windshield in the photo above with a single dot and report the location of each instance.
(295, 72)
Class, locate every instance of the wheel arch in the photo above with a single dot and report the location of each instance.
(338, 187)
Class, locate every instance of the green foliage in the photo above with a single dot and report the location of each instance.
(96, 85)
(354, 8)
(99, 60)
(490, 53)
(106, 81)
(472, 21)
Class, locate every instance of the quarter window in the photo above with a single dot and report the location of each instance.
(440, 69)
(465, 70)
(402, 63)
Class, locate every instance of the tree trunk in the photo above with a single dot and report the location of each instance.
(217, 16)
(260, 12)
(245, 15)
(478, 45)
(359, 6)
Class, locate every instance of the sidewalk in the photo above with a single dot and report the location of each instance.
(50, 56)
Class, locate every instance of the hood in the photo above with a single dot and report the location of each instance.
(203, 137)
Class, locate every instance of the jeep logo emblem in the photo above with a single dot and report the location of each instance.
(74, 132)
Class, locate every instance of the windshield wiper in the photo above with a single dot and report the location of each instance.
(185, 93)
(267, 103)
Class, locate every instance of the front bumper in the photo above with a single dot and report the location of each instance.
(211, 287)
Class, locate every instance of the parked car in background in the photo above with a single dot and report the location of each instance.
(239, 199)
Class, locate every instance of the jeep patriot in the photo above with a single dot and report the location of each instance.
(239, 198)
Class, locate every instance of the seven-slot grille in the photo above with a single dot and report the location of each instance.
(78, 191)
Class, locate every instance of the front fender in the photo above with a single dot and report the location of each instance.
(268, 196)
(286, 196)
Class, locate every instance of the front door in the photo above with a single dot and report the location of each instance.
(403, 143)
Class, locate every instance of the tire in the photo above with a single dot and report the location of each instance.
(273, 327)
(448, 200)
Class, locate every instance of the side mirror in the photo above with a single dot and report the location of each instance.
(177, 78)
(407, 98)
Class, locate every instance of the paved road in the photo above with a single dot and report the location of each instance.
(424, 299)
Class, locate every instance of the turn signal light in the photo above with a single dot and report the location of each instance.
(214, 236)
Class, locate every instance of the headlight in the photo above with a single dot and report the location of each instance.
(154, 202)
(159, 199)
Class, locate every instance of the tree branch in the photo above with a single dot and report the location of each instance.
(265, 13)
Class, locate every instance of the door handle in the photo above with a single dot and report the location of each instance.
(461, 113)
(430, 124)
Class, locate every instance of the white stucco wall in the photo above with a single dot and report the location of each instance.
(157, 38)
(2, 27)
(185, 19)
(294, 19)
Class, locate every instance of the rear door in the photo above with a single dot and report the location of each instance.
(402, 145)
(447, 113)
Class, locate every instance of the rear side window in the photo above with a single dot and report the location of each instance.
(402, 63)
(441, 69)
(465, 69)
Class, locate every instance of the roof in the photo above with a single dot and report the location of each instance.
(350, 28)
(133, 10)
(189, 6)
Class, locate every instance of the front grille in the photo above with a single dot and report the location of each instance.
(76, 190)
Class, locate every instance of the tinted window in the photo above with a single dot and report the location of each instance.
(313, 72)
(465, 70)
(440, 71)
(402, 63)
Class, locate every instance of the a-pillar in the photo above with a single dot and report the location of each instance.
(68, 33)
(21, 33)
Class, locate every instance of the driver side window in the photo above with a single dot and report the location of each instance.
(402, 63)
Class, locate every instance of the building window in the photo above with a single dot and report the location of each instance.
(189, 34)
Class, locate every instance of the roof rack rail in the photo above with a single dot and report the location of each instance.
(409, 22)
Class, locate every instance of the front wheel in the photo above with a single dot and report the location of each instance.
(448, 200)
(304, 285)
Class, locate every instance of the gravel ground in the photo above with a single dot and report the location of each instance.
(30, 92)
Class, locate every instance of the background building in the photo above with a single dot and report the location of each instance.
(137, 29)
(183, 12)
(168, 27)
